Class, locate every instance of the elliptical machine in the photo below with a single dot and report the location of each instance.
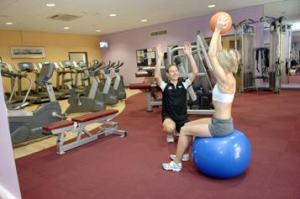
(77, 103)
(110, 96)
(118, 85)
(25, 126)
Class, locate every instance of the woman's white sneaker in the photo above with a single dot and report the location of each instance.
(185, 157)
(172, 166)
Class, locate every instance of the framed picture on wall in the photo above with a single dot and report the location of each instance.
(146, 57)
(27, 52)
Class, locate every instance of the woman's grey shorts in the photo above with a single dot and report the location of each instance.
(220, 127)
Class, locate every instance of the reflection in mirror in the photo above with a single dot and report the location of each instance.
(146, 57)
(294, 69)
(292, 17)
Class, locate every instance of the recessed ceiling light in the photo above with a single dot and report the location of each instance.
(98, 30)
(9, 23)
(144, 20)
(112, 15)
(211, 6)
(50, 4)
(296, 26)
(66, 28)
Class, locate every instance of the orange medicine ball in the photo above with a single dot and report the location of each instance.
(214, 19)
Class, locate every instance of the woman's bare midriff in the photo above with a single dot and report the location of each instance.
(222, 110)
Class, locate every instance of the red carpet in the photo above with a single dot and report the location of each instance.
(129, 168)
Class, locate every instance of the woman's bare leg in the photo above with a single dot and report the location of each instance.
(205, 120)
(198, 129)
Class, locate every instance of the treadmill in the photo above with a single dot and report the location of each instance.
(13, 103)
(38, 96)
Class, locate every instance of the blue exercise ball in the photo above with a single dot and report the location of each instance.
(222, 157)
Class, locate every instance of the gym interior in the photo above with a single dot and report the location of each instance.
(81, 110)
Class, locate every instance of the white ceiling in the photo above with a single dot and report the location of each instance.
(289, 8)
(32, 15)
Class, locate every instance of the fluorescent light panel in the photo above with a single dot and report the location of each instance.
(296, 26)
(50, 4)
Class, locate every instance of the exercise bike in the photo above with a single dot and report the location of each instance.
(24, 125)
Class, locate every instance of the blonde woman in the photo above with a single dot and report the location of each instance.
(224, 65)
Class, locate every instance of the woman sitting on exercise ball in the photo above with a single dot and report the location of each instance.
(224, 65)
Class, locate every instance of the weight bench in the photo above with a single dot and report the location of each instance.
(150, 90)
(77, 125)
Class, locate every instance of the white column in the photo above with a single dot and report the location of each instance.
(9, 184)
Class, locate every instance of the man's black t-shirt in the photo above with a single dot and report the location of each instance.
(174, 101)
(294, 63)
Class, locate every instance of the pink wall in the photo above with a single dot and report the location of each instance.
(296, 38)
(123, 45)
(296, 41)
(9, 185)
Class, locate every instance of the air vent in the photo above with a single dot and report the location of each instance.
(161, 32)
(64, 17)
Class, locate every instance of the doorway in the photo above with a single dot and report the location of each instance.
(78, 56)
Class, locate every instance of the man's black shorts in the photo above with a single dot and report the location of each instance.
(178, 124)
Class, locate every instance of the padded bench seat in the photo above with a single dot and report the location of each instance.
(142, 86)
(58, 125)
(78, 126)
(150, 90)
(93, 116)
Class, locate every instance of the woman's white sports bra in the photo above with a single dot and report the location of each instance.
(219, 96)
